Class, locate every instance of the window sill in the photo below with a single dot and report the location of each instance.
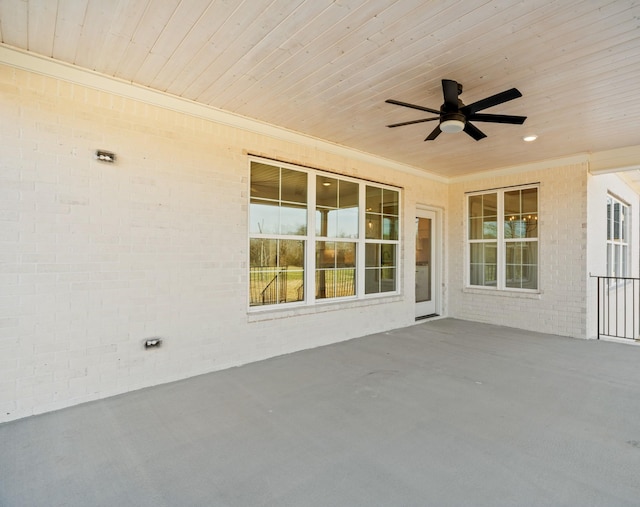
(503, 293)
(261, 314)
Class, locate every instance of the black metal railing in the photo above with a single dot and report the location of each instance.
(618, 307)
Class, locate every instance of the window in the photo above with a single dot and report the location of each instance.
(315, 237)
(502, 238)
(381, 240)
(617, 238)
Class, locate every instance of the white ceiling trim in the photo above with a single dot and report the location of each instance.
(66, 72)
(580, 158)
(618, 160)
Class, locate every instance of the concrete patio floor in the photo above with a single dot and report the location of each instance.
(442, 413)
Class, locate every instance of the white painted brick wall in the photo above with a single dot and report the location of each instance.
(561, 306)
(599, 187)
(94, 258)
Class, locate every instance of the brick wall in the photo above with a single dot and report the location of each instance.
(97, 257)
(561, 306)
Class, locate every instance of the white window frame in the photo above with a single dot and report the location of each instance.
(500, 241)
(311, 239)
(618, 247)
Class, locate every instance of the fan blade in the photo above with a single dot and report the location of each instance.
(494, 100)
(412, 106)
(434, 133)
(450, 92)
(474, 131)
(411, 122)
(498, 118)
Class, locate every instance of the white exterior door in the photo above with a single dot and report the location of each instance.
(426, 264)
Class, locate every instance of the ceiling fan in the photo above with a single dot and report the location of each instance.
(454, 116)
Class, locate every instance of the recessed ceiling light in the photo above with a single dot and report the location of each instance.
(530, 138)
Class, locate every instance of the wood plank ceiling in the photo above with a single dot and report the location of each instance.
(325, 67)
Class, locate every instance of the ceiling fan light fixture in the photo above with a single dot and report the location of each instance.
(452, 126)
(452, 123)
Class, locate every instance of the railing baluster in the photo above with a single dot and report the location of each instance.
(626, 318)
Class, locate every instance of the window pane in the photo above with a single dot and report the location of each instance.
(332, 283)
(388, 254)
(388, 280)
(389, 227)
(349, 194)
(277, 271)
(372, 255)
(483, 264)
(529, 200)
(293, 219)
(490, 253)
(265, 181)
(475, 228)
(294, 186)
(372, 281)
(616, 220)
(390, 199)
(520, 213)
(489, 228)
(345, 255)
(490, 205)
(609, 219)
(326, 192)
(263, 286)
(264, 217)
(374, 199)
(263, 252)
(347, 223)
(374, 226)
(325, 254)
(291, 253)
(476, 253)
(326, 222)
(475, 273)
(475, 206)
(521, 265)
(523, 226)
(512, 203)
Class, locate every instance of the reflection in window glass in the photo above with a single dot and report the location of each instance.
(276, 273)
(335, 269)
(345, 227)
(337, 209)
(515, 241)
(278, 201)
(380, 268)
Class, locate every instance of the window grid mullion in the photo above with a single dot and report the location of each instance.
(502, 246)
(310, 268)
